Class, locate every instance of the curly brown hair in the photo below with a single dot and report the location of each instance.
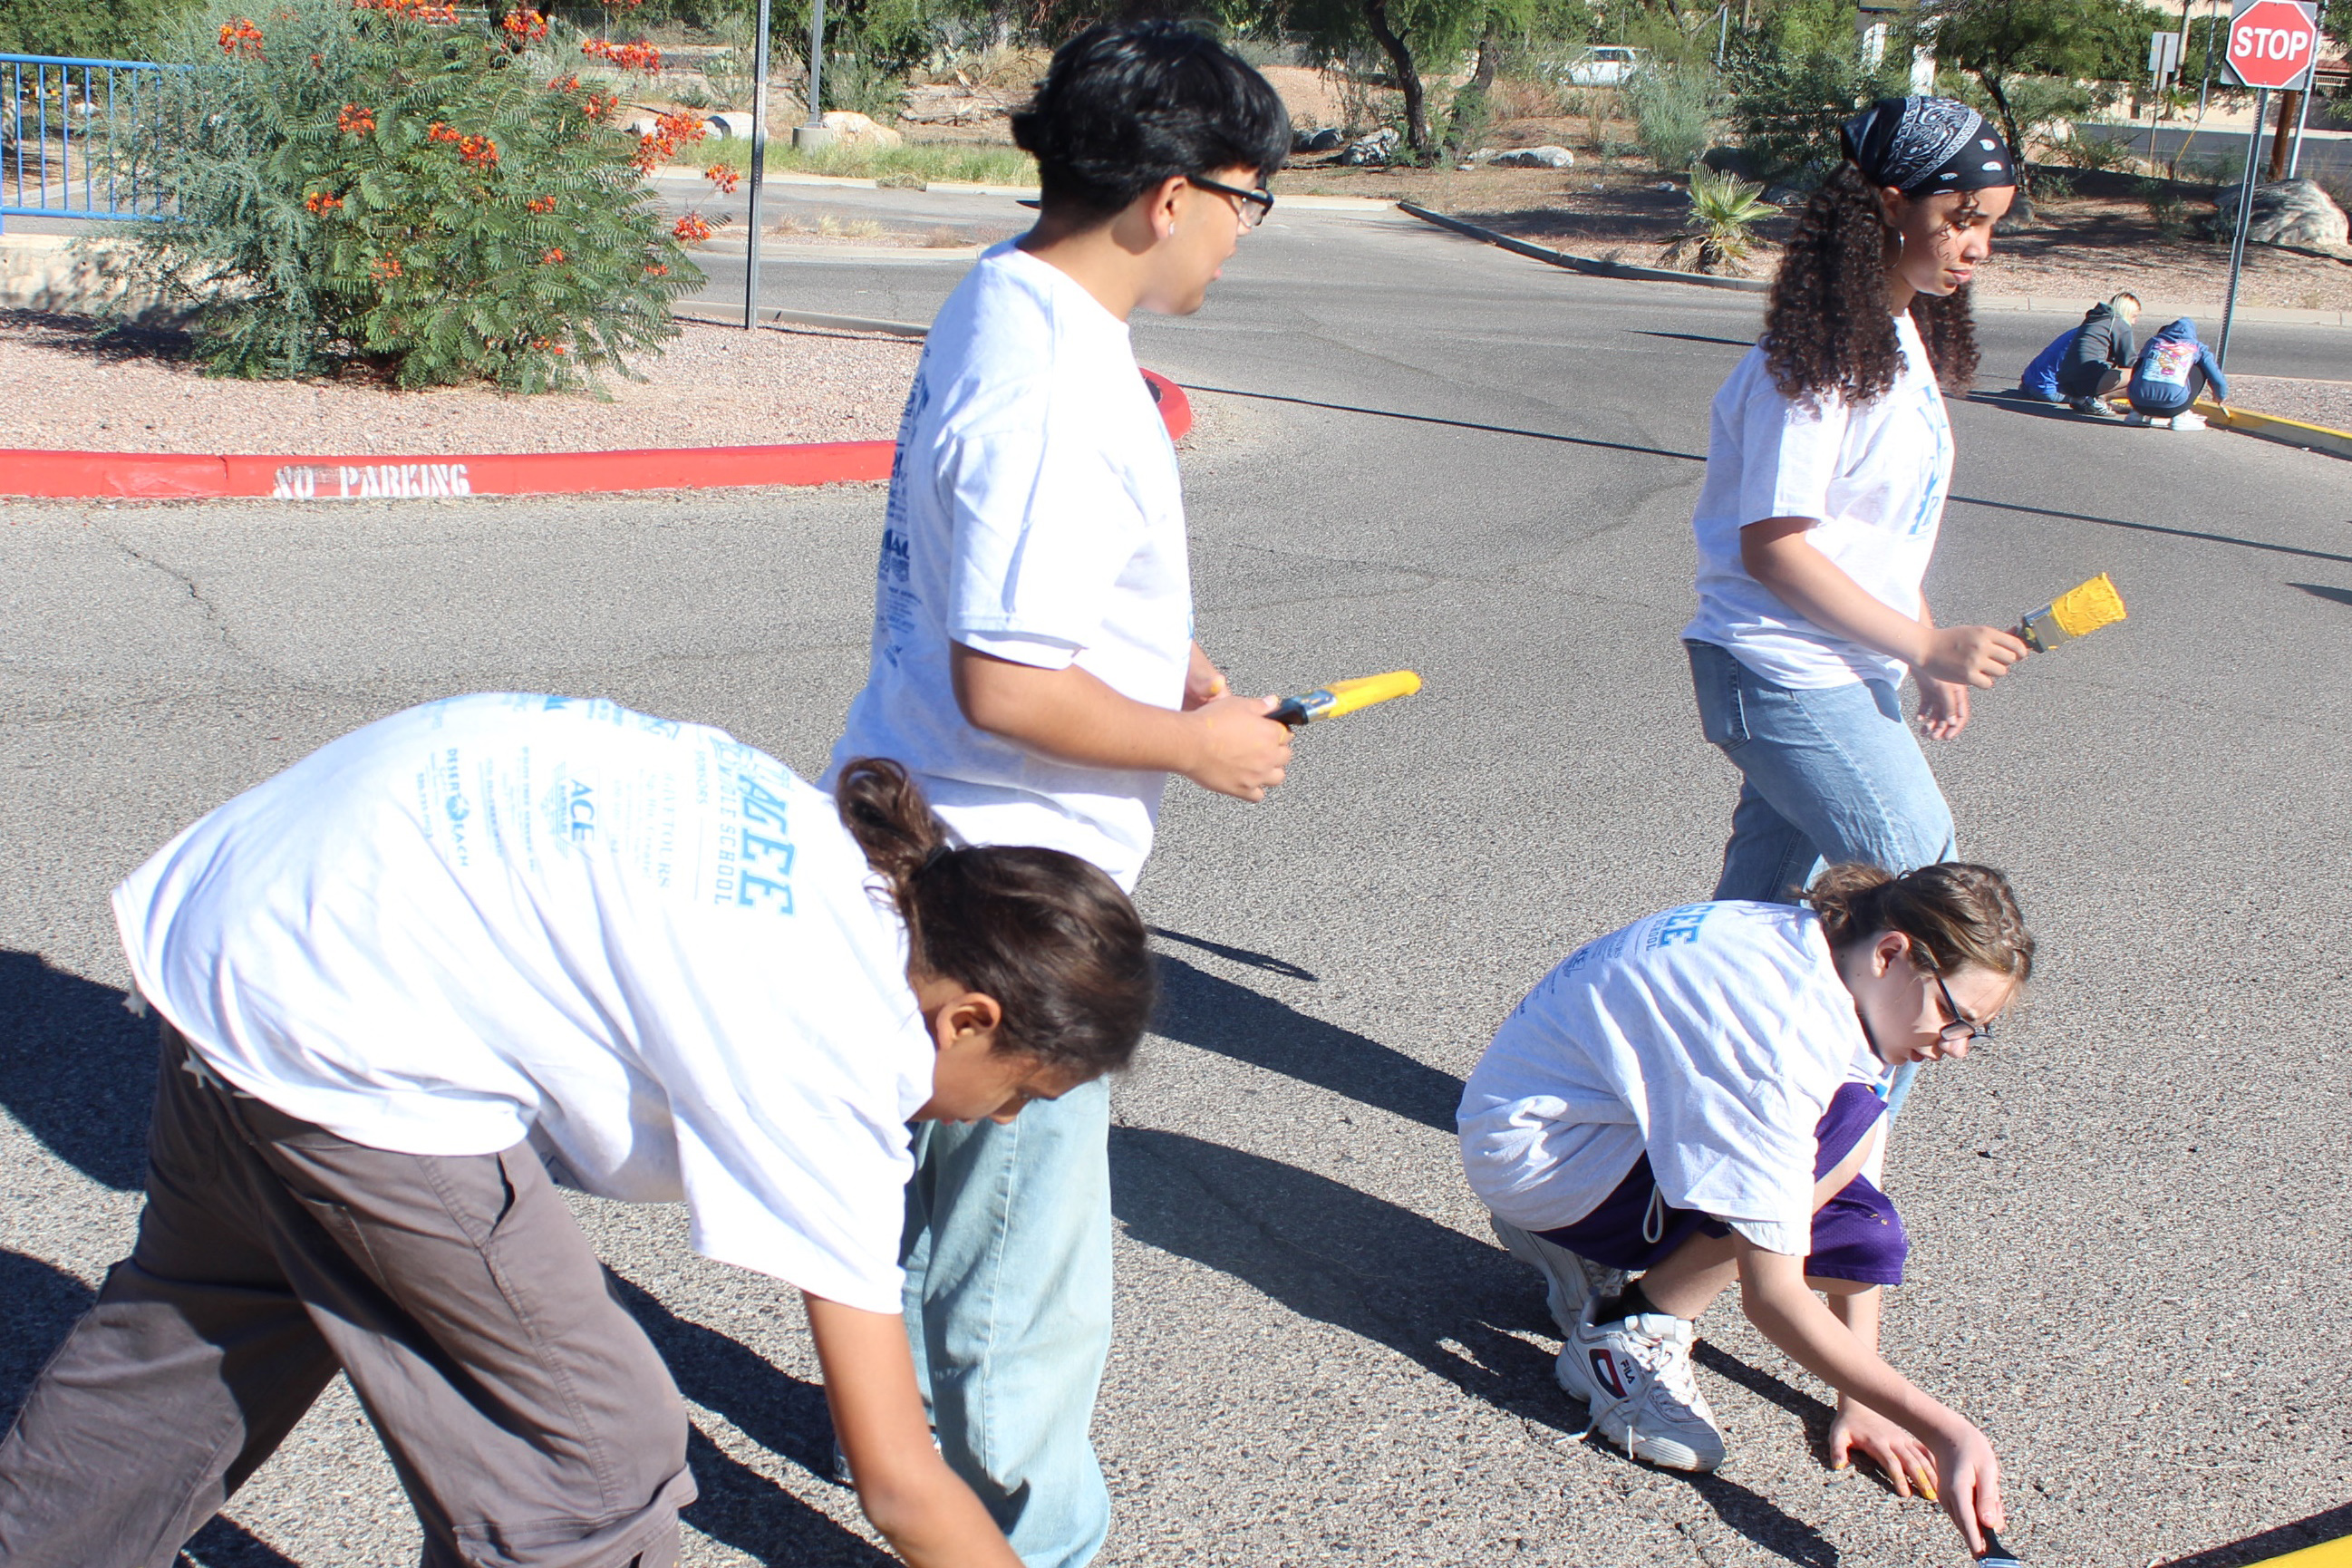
(1827, 330)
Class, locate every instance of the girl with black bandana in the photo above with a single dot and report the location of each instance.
(1828, 461)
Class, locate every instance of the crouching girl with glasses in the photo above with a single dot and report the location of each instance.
(1696, 1100)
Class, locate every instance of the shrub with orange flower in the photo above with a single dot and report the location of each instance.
(692, 229)
(725, 178)
(670, 133)
(502, 235)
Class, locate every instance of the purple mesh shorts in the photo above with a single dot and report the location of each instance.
(1857, 1235)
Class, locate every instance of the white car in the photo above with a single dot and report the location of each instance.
(1604, 65)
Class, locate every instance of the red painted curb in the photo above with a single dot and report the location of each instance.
(1175, 408)
(175, 476)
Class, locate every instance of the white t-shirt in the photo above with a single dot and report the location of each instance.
(1035, 514)
(1711, 1037)
(1874, 476)
(643, 946)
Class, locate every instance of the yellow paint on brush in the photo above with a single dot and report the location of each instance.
(2074, 614)
(2084, 610)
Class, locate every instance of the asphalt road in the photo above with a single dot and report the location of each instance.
(2128, 1216)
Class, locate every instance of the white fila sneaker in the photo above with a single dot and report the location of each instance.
(1571, 1280)
(1634, 1375)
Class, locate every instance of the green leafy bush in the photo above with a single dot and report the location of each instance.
(1675, 113)
(384, 183)
(1787, 104)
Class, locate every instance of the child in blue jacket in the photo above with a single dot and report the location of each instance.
(2171, 372)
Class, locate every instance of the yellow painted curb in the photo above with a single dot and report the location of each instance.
(2268, 427)
(2331, 1555)
(2291, 433)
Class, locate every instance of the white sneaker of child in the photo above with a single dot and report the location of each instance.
(1634, 1375)
(2137, 417)
(2191, 421)
(1571, 1279)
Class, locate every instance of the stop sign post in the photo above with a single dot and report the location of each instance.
(2273, 44)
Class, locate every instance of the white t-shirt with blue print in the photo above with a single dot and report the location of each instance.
(1035, 515)
(1710, 1037)
(643, 946)
(1875, 477)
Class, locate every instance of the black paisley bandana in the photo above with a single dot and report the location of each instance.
(1916, 144)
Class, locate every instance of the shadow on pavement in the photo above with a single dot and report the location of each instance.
(2319, 1530)
(1248, 957)
(43, 1304)
(1450, 1303)
(77, 1069)
(1452, 424)
(2152, 527)
(2322, 591)
(1200, 1009)
(1695, 338)
(781, 1413)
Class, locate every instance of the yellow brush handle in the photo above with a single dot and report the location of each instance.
(1346, 696)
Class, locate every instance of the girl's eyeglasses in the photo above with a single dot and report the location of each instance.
(1962, 1027)
(1253, 206)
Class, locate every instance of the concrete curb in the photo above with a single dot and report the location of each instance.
(771, 316)
(187, 476)
(1592, 266)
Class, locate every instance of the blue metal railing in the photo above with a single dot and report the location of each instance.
(76, 136)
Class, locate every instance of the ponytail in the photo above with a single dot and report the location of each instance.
(1956, 915)
(1049, 936)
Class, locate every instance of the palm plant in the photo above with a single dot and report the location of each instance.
(1720, 229)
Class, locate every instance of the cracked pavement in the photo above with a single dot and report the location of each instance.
(2130, 1249)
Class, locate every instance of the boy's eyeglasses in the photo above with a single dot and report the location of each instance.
(1962, 1027)
(1253, 206)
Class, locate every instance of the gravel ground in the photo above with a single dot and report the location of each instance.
(716, 386)
(2327, 403)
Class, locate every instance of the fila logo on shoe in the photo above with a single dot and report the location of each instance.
(1604, 1373)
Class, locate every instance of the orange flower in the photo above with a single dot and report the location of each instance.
(692, 228)
(628, 56)
(384, 267)
(657, 271)
(355, 120)
(320, 202)
(524, 26)
(566, 84)
(540, 204)
(240, 37)
(725, 178)
(550, 256)
(414, 10)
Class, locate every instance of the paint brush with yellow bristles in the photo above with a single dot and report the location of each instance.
(1344, 697)
(2078, 612)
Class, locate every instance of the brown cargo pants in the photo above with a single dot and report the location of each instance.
(530, 1419)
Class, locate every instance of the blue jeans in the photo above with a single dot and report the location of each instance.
(1828, 774)
(1007, 1253)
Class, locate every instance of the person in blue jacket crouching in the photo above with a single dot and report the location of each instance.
(2172, 372)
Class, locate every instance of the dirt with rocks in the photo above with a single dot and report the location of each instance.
(716, 386)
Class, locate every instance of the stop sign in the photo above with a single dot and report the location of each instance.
(2271, 42)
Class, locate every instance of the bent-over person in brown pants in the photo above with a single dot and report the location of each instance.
(495, 937)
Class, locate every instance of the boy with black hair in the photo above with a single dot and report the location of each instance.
(1033, 668)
